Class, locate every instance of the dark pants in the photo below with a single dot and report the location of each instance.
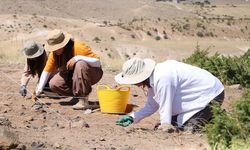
(77, 82)
(201, 117)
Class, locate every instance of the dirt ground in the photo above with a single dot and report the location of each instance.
(124, 29)
(56, 125)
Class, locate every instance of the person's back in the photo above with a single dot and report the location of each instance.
(194, 87)
(188, 78)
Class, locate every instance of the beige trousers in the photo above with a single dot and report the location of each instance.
(76, 82)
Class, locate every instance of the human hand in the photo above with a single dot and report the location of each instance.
(23, 90)
(125, 121)
(37, 93)
(166, 128)
(70, 64)
(34, 97)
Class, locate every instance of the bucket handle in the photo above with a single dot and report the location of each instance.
(103, 86)
(106, 87)
(123, 88)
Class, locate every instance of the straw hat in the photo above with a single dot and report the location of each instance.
(56, 39)
(32, 49)
(135, 71)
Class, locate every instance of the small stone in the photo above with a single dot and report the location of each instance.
(22, 113)
(37, 106)
(55, 125)
(5, 104)
(30, 119)
(21, 147)
(57, 145)
(78, 124)
(5, 111)
(34, 127)
(135, 95)
(8, 139)
(23, 107)
(36, 145)
(88, 111)
(54, 111)
(5, 121)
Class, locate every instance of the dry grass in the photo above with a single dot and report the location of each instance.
(10, 52)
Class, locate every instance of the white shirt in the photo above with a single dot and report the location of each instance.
(178, 89)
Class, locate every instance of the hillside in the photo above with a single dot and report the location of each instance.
(116, 30)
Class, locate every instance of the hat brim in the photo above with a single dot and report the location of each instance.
(134, 79)
(55, 47)
(37, 54)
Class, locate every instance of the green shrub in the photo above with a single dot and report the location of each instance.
(230, 70)
(230, 130)
(148, 33)
(97, 39)
(200, 34)
(157, 38)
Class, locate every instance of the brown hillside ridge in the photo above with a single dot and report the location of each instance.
(116, 30)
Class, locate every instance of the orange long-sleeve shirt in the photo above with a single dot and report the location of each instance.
(79, 48)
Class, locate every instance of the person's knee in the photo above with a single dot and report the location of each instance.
(53, 85)
(82, 65)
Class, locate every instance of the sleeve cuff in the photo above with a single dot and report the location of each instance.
(133, 116)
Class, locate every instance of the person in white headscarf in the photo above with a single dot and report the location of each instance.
(181, 92)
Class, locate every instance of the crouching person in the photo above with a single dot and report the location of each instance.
(182, 93)
(36, 58)
(78, 68)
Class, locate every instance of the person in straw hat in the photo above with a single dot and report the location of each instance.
(78, 68)
(181, 92)
(36, 58)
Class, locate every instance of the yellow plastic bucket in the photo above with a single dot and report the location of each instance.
(113, 100)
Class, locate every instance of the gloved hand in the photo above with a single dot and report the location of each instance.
(23, 90)
(125, 121)
(166, 128)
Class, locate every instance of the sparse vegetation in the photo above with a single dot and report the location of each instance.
(112, 38)
(231, 130)
(105, 22)
(97, 39)
(186, 26)
(149, 33)
(230, 70)
(109, 55)
(127, 56)
(34, 15)
(227, 130)
(200, 34)
(165, 37)
(157, 38)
